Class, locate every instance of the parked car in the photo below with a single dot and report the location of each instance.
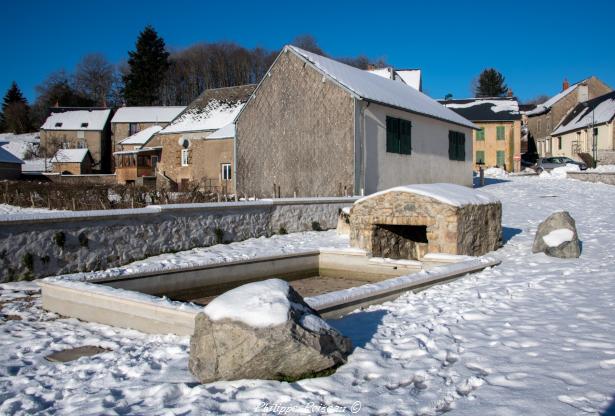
(548, 163)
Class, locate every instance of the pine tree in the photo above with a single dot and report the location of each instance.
(15, 111)
(490, 84)
(148, 65)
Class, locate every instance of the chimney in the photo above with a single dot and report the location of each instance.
(57, 104)
(510, 93)
(565, 84)
(371, 67)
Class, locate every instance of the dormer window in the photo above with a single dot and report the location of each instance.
(58, 124)
(84, 125)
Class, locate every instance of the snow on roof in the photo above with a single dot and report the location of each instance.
(258, 304)
(142, 136)
(485, 109)
(411, 77)
(153, 114)
(448, 193)
(212, 110)
(546, 106)
(69, 156)
(382, 72)
(226, 132)
(596, 111)
(381, 90)
(77, 120)
(8, 157)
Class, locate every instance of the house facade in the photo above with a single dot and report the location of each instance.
(546, 116)
(79, 129)
(317, 127)
(588, 128)
(72, 162)
(497, 143)
(190, 157)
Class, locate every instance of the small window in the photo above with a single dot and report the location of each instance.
(133, 128)
(399, 136)
(480, 134)
(480, 157)
(226, 171)
(154, 161)
(499, 130)
(559, 143)
(185, 157)
(58, 124)
(595, 131)
(456, 146)
(84, 125)
(80, 134)
(500, 158)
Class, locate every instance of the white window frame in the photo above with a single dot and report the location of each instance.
(224, 169)
(185, 156)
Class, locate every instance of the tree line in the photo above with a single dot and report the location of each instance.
(151, 75)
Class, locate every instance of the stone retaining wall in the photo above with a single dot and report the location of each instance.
(44, 244)
(603, 177)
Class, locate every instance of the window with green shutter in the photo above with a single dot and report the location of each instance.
(499, 130)
(480, 134)
(399, 136)
(480, 156)
(500, 158)
(456, 146)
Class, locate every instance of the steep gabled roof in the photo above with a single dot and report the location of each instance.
(87, 120)
(598, 110)
(142, 136)
(485, 109)
(8, 157)
(546, 106)
(213, 109)
(378, 89)
(153, 114)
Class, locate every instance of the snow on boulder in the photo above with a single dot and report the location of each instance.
(557, 236)
(263, 330)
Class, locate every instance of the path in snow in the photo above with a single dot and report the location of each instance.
(534, 336)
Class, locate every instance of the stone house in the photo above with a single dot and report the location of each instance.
(546, 116)
(189, 154)
(318, 127)
(130, 120)
(408, 222)
(498, 140)
(72, 162)
(590, 124)
(10, 165)
(68, 128)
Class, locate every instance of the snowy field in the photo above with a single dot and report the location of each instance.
(533, 336)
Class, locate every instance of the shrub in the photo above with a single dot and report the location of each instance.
(28, 261)
(59, 238)
(316, 226)
(282, 230)
(219, 232)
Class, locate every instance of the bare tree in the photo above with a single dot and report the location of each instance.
(94, 78)
(308, 43)
(539, 99)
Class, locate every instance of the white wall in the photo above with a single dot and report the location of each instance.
(605, 141)
(428, 163)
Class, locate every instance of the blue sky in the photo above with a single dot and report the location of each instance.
(534, 44)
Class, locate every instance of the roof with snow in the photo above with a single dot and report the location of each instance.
(212, 110)
(546, 106)
(70, 156)
(379, 89)
(142, 136)
(485, 109)
(448, 193)
(410, 77)
(89, 120)
(153, 114)
(8, 157)
(598, 110)
(226, 132)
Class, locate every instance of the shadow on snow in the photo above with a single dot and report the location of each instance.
(360, 327)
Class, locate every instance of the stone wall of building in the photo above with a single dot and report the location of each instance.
(38, 245)
(296, 132)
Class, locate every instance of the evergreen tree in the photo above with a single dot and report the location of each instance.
(490, 84)
(15, 111)
(148, 65)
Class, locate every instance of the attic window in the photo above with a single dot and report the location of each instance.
(58, 124)
(84, 125)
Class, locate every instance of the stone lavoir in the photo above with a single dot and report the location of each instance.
(408, 222)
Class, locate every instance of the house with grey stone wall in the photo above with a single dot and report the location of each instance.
(317, 127)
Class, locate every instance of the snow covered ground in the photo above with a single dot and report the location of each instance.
(533, 336)
(12, 209)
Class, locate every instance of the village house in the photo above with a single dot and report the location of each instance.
(72, 162)
(67, 128)
(136, 162)
(411, 77)
(588, 127)
(10, 165)
(190, 153)
(318, 127)
(546, 116)
(498, 140)
(130, 120)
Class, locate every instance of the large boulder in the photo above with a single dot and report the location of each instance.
(263, 330)
(557, 236)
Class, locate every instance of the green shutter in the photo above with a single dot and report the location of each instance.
(392, 135)
(480, 156)
(500, 158)
(500, 132)
(405, 137)
(480, 134)
(462, 146)
(456, 146)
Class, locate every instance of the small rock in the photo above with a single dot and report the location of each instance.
(263, 330)
(557, 237)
